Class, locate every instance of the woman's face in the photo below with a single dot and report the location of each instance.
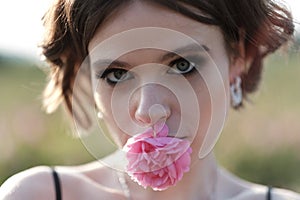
(173, 83)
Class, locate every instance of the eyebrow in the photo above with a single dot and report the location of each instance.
(181, 50)
(108, 63)
(189, 48)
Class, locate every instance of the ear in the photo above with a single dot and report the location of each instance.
(238, 57)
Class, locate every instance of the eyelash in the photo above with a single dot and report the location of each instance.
(106, 72)
(191, 64)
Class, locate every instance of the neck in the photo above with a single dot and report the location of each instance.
(199, 183)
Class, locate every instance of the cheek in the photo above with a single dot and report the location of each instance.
(211, 88)
(103, 99)
(204, 104)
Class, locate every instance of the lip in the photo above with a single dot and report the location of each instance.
(182, 137)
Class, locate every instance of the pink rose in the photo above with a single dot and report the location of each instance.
(157, 161)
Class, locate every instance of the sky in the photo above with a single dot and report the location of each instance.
(21, 27)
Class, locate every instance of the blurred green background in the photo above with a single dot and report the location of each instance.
(260, 143)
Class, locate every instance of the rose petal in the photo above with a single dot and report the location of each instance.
(158, 162)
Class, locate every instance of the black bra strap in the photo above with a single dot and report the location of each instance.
(269, 196)
(56, 184)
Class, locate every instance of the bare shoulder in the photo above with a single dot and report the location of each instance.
(29, 184)
(76, 182)
(245, 190)
(283, 194)
(261, 193)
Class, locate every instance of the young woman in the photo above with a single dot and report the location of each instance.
(161, 75)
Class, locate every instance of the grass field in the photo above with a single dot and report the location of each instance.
(260, 143)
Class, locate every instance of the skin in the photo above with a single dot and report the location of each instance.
(93, 180)
(145, 97)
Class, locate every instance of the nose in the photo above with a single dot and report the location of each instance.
(151, 105)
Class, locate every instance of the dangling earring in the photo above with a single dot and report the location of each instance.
(99, 115)
(236, 92)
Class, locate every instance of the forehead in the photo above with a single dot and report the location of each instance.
(139, 14)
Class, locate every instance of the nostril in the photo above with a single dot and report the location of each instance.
(142, 116)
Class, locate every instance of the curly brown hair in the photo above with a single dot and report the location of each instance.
(70, 25)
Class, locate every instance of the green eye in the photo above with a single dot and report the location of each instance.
(181, 66)
(115, 75)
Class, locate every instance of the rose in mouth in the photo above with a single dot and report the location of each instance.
(156, 160)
